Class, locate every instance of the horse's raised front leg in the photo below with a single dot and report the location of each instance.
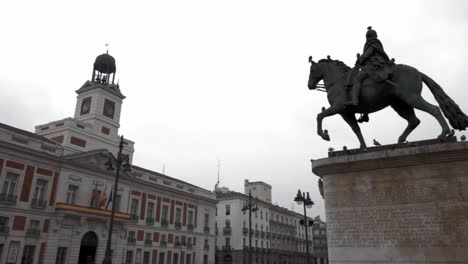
(332, 110)
(350, 118)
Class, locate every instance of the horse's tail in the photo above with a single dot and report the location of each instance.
(451, 110)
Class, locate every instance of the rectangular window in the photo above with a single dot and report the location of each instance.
(228, 223)
(72, 194)
(134, 208)
(205, 259)
(207, 220)
(163, 238)
(162, 256)
(61, 256)
(34, 224)
(178, 215)
(228, 242)
(164, 214)
(146, 257)
(261, 214)
(228, 209)
(150, 211)
(40, 192)
(129, 257)
(9, 185)
(176, 258)
(243, 242)
(4, 228)
(188, 259)
(190, 217)
(148, 238)
(28, 255)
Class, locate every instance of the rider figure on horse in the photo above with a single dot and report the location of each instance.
(374, 63)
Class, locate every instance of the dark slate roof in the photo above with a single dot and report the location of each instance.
(105, 63)
(111, 88)
(28, 134)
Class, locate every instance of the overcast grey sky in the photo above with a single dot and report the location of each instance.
(223, 79)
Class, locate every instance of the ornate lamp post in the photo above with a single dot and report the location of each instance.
(302, 199)
(120, 162)
(251, 207)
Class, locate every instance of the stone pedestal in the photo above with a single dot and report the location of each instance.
(403, 205)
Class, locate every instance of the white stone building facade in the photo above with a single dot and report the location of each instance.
(277, 235)
(56, 184)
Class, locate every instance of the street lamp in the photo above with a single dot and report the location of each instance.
(302, 199)
(120, 162)
(251, 207)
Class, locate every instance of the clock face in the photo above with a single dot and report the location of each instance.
(85, 106)
(109, 108)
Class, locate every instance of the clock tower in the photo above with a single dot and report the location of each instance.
(96, 122)
(99, 100)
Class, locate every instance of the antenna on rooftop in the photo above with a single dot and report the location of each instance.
(107, 48)
(219, 168)
(164, 169)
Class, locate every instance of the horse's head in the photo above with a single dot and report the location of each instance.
(332, 72)
(315, 75)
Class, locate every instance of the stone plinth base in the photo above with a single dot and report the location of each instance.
(406, 205)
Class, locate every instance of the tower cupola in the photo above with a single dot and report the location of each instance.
(104, 69)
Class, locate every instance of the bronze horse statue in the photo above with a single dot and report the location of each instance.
(402, 93)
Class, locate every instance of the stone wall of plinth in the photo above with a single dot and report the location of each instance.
(407, 205)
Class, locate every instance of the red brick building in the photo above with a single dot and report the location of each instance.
(55, 189)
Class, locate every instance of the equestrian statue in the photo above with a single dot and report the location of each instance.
(376, 82)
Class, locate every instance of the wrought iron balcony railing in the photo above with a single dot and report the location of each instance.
(148, 242)
(7, 198)
(227, 231)
(206, 229)
(164, 223)
(190, 227)
(149, 221)
(245, 230)
(39, 203)
(134, 217)
(131, 240)
(163, 243)
(227, 248)
(4, 229)
(178, 225)
(33, 232)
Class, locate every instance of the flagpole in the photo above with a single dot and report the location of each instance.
(108, 258)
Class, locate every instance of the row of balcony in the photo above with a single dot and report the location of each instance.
(165, 223)
(11, 199)
(30, 232)
(148, 242)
